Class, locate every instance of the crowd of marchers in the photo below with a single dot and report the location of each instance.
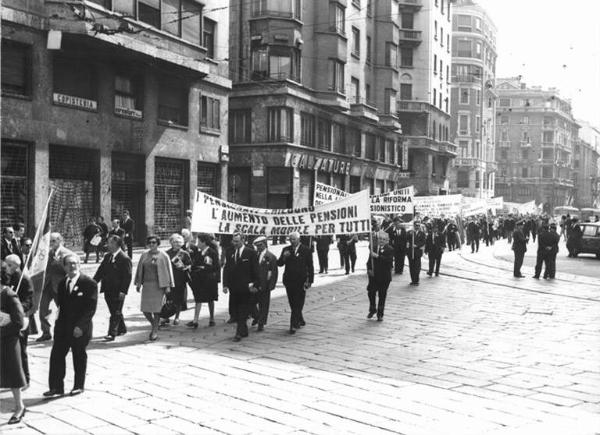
(244, 268)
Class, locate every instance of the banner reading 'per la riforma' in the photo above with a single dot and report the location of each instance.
(347, 215)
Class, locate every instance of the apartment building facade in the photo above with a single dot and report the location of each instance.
(425, 98)
(474, 100)
(536, 134)
(113, 105)
(586, 166)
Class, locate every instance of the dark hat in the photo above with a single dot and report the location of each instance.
(553, 225)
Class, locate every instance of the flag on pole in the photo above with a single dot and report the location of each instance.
(37, 259)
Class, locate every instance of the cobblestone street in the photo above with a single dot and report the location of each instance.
(473, 351)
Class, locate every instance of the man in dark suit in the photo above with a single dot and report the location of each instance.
(128, 225)
(434, 248)
(9, 244)
(268, 271)
(116, 229)
(55, 272)
(553, 241)
(241, 281)
(24, 289)
(379, 270)
(397, 235)
(323, 243)
(474, 234)
(297, 277)
(76, 299)
(115, 274)
(519, 246)
(415, 244)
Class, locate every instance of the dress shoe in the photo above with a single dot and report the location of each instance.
(192, 325)
(347, 273)
(371, 314)
(429, 273)
(537, 277)
(44, 337)
(211, 323)
(292, 331)
(260, 328)
(153, 336)
(254, 322)
(17, 416)
(176, 322)
(437, 274)
(230, 321)
(76, 391)
(237, 338)
(122, 333)
(109, 337)
(380, 318)
(53, 393)
(302, 323)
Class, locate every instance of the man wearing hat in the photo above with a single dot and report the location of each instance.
(267, 277)
(519, 245)
(543, 251)
(397, 235)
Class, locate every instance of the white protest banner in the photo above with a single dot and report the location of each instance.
(511, 207)
(496, 203)
(528, 207)
(472, 208)
(348, 215)
(436, 206)
(325, 193)
(396, 202)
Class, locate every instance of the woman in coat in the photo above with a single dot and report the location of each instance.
(206, 270)
(154, 276)
(181, 264)
(12, 375)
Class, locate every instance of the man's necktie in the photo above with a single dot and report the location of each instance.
(69, 286)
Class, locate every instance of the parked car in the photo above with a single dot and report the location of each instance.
(590, 241)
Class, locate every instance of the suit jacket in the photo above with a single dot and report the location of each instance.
(397, 238)
(77, 308)
(24, 292)
(298, 267)
(415, 244)
(237, 275)
(117, 232)
(268, 264)
(13, 248)
(114, 274)
(128, 226)
(323, 243)
(519, 241)
(382, 265)
(435, 246)
(55, 270)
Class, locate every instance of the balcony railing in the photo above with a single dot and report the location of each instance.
(525, 144)
(466, 161)
(410, 35)
(469, 78)
(411, 106)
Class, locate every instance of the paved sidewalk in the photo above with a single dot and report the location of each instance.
(456, 355)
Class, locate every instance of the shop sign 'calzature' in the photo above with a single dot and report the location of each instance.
(347, 215)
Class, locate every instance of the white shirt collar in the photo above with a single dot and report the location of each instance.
(73, 281)
(205, 250)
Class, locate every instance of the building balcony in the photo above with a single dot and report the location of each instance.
(548, 145)
(362, 109)
(425, 143)
(412, 106)
(389, 121)
(410, 37)
(525, 144)
(491, 166)
(410, 4)
(504, 144)
(332, 99)
(563, 182)
(465, 78)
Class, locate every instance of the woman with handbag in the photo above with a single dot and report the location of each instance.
(91, 239)
(206, 270)
(181, 264)
(154, 275)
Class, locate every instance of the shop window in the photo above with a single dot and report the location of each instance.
(16, 68)
(240, 125)
(307, 129)
(208, 37)
(279, 188)
(210, 113)
(173, 101)
(279, 124)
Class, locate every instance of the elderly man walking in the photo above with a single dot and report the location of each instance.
(267, 272)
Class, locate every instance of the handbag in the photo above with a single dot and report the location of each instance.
(96, 240)
(168, 309)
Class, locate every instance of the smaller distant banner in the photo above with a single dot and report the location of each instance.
(474, 207)
(438, 206)
(325, 193)
(396, 202)
(528, 207)
(511, 207)
(496, 203)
